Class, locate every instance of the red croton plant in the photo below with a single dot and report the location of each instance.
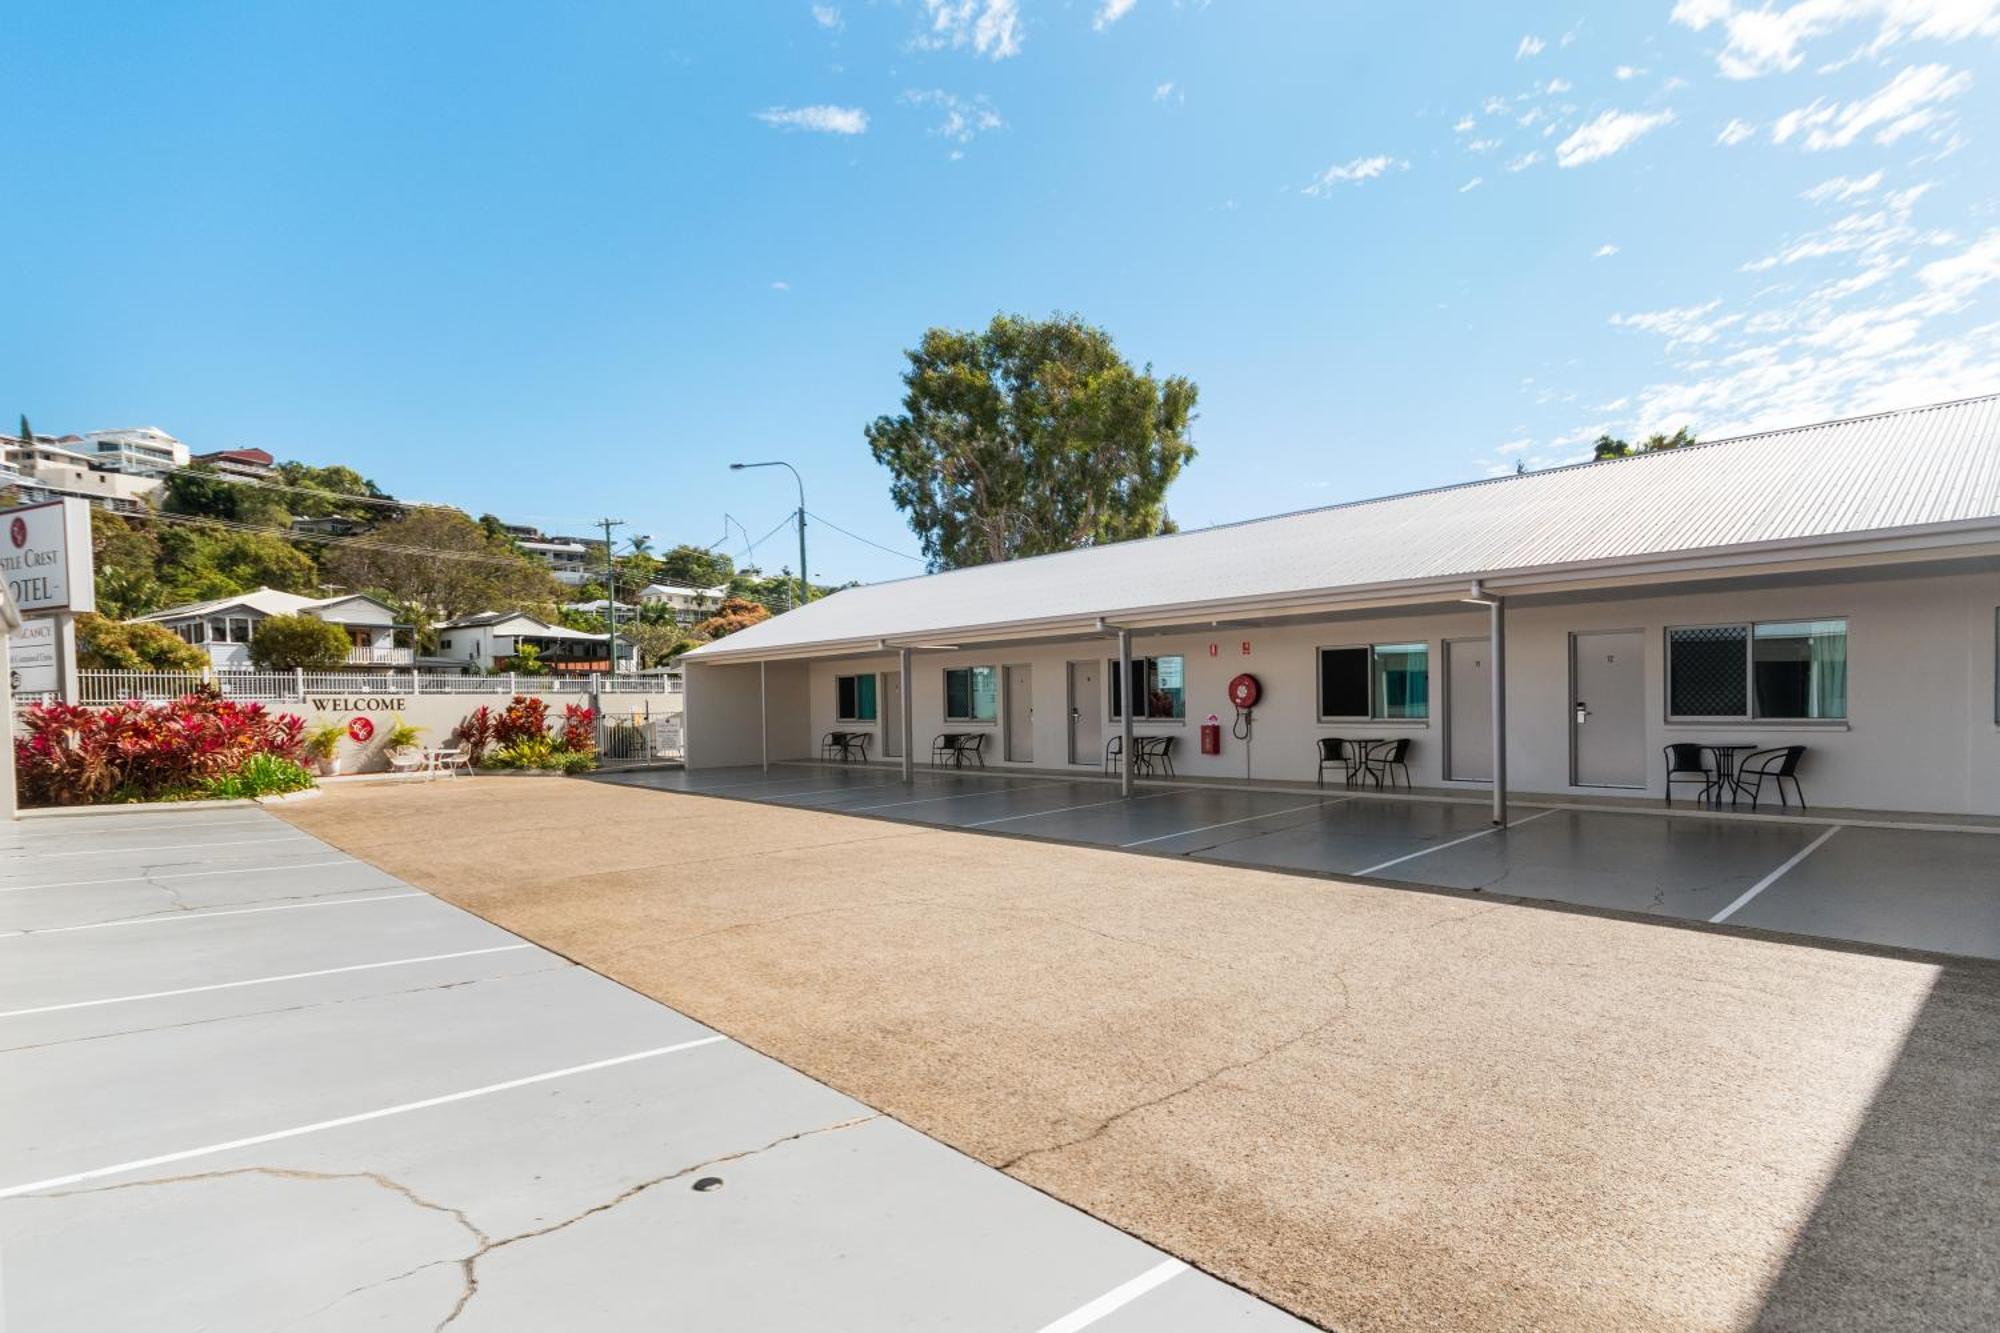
(526, 717)
(67, 754)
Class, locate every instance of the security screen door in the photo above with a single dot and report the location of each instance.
(1020, 704)
(1469, 710)
(1608, 709)
(1085, 714)
(892, 714)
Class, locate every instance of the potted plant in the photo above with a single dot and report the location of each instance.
(322, 747)
(403, 746)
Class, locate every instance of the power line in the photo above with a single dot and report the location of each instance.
(865, 541)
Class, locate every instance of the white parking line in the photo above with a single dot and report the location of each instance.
(361, 1117)
(1453, 843)
(961, 796)
(1268, 814)
(165, 917)
(1117, 1298)
(795, 797)
(176, 846)
(261, 981)
(1063, 810)
(732, 786)
(70, 828)
(181, 874)
(1773, 877)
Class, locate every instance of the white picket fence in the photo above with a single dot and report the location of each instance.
(105, 687)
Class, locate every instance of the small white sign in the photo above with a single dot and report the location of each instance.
(45, 554)
(31, 657)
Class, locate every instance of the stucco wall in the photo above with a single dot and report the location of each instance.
(1920, 732)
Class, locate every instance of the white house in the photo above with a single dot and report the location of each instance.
(1835, 586)
(46, 469)
(689, 604)
(492, 640)
(226, 626)
(567, 559)
(140, 450)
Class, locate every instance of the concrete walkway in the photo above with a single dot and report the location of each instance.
(1379, 1109)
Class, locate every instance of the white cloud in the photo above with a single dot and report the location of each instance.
(781, 286)
(1840, 189)
(1162, 91)
(1681, 326)
(1560, 86)
(1514, 447)
(1625, 72)
(1482, 145)
(1355, 172)
(1531, 45)
(1524, 161)
(1735, 132)
(1907, 103)
(1765, 39)
(992, 28)
(964, 119)
(1464, 125)
(1604, 251)
(819, 119)
(827, 16)
(1609, 133)
(1472, 184)
(1110, 12)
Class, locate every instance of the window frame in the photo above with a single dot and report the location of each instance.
(1373, 716)
(1114, 697)
(1750, 715)
(971, 695)
(855, 714)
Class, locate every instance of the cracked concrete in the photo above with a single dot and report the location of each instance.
(1513, 1118)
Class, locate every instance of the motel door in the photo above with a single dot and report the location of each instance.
(1608, 709)
(1468, 706)
(1020, 705)
(892, 714)
(1085, 714)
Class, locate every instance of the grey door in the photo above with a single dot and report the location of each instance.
(1020, 705)
(1085, 715)
(892, 714)
(1468, 706)
(1608, 709)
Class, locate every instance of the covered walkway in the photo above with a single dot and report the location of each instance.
(1848, 875)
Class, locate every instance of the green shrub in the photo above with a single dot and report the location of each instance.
(403, 736)
(541, 752)
(260, 775)
(322, 741)
(111, 645)
(280, 643)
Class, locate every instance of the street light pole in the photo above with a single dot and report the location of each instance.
(805, 588)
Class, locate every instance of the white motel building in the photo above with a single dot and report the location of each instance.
(1834, 586)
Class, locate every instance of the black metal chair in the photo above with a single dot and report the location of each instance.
(1114, 754)
(1779, 766)
(1382, 762)
(1684, 765)
(833, 745)
(970, 745)
(944, 747)
(1333, 750)
(1153, 752)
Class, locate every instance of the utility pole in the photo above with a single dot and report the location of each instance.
(610, 593)
(805, 587)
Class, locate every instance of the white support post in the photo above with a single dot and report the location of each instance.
(764, 714)
(299, 683)
(416, 682)
(903, 702)
(1125, 711)
(1497, 649)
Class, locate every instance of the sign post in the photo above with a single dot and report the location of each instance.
(45, 554)
(10, 620)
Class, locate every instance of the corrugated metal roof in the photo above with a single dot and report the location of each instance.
(1907, 469)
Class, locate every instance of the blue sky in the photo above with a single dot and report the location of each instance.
(557, 261)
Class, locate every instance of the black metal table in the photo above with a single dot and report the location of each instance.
(1725, 768)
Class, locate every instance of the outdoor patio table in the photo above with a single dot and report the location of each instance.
(1725, 767)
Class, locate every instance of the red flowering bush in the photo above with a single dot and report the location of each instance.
(526, 718)
(518, 736)
(579, 730)
(477, 731)
(67, 754)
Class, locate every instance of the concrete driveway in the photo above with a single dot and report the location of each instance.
(248, 1082)
(1378, 1109)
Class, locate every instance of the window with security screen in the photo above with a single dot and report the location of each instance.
(1707, 671)
(1780, 670)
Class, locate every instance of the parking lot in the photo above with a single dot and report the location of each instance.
(253, 1082)
(1912, 888)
